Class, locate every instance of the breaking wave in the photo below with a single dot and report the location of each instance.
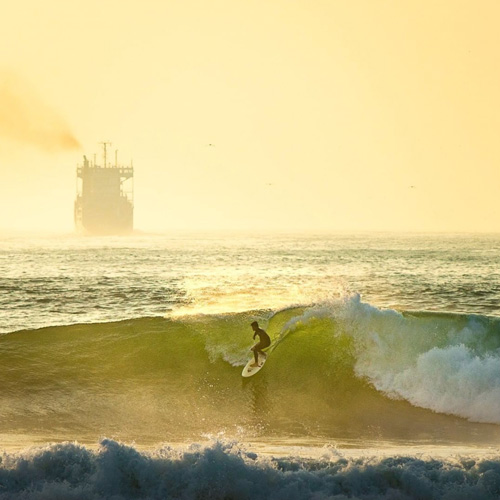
(228, 471)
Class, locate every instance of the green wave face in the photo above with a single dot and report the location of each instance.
(341, 371)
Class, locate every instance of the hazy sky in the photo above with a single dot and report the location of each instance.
(321, 115)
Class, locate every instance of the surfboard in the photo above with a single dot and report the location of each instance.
(248, 371)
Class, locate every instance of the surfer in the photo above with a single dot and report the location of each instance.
(264, 341)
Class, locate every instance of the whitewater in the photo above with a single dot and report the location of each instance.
(121, 358)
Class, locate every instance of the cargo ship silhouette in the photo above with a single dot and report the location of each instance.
(104, 200)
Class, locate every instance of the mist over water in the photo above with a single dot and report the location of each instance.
(67, 279)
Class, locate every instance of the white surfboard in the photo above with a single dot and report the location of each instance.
(248, 371)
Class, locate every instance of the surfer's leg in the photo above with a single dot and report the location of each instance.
(255, 355)
(256, 352)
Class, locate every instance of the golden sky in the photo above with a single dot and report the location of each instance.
(275, 115)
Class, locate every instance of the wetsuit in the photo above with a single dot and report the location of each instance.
(264, 340)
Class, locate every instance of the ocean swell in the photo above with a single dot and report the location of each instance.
(340, 370)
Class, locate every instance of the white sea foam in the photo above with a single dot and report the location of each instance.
(453, 380)
(437, 363)
(231, 471)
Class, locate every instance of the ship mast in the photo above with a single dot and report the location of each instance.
(104, 152)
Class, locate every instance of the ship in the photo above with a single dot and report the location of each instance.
(104, 202)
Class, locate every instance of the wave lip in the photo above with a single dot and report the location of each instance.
(229, 471)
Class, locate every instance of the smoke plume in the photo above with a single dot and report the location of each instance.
(25, 118)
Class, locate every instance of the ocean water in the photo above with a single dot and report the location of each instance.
(121, 359)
